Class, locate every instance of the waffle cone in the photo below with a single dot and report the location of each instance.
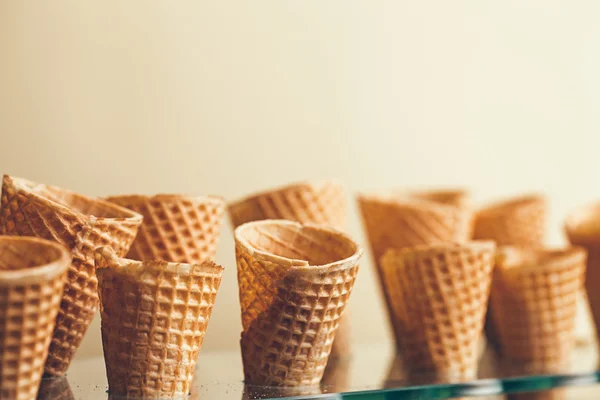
(154, 317)
(176, 228)
(583, 229)
(32, 277)
(317, 203)
(534, 302)
(81, 224)
(295, 281)
(410, 219)
(519, 221)
(443, 292)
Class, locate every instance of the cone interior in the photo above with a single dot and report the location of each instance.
(583, 225)
(24, 257)
(510, 205)
(82, 204)
(534, 301)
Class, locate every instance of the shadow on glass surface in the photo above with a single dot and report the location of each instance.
(55, 388)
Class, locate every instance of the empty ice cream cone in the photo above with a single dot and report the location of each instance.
(32, 277)
(80, 223)
(176, 228)
(399, 220)
(294, 282)
(154, 317)
(305, 202)
(583, 229)
(442, 292)
(520, 221)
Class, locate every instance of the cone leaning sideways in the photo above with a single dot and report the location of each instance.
(305, 202)
(80, 223)
(176, 228)
(32, 276)
(442, 293)
(534, 303)
(583, 229)
(294, 281)
(399, 220)
(154, 318)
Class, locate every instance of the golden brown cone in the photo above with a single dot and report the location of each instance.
(176, 228)
(534, 302)
(442, 293)
(399, 220)
(154, 317)
(583, 229)
(304, 202)
(295, 281)
(81, 224)
(32, 276)
(520, 221)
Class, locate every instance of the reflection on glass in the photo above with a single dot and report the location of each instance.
(55, 388)
(252, 392)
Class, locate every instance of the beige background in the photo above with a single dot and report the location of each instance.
(232, 97)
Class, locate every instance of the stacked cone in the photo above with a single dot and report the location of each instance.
(583, 229)
(81, 224)
(402, 220)
(176, 228)
(154, 318)
(32, 277)
(295, 281)
(515, 222)
(442, 295)
(534, 302)
(318, 203)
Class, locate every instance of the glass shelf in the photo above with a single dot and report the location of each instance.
(372, 373)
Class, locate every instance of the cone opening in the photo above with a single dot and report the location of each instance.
(441, 201)
(132, 200)
(512, 204)
(300, 245)
(454, 197)
(518, 259)
(583, 225)
(432, 250)
(29, 258)
(84, 205)
(292, 187)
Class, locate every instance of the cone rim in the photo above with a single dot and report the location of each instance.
(412, 199)
(38, 273)
(106, 259)
(137, 198)
(298, 264)
(316, 184)
(27, 186)
(515, 259)
(438, 248)
(511, 204)
(578, 221)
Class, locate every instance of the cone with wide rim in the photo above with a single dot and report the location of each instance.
(519, 221)
(81, 224)
(583, 229)
(404, 219)
(154, 318)
(534, 303)
(32, 276)
(305, 202)
(295, 281)
(442, 293)
(176, 228)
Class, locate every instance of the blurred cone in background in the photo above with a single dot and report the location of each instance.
(318, 203)
(442, 292)
(534, 303)
(519, 221)
(32, 277)
(409, 219)
(154, 317)
(583, 229)
(176, 228)
(55, 388)
(295, 281)
(80, 223)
